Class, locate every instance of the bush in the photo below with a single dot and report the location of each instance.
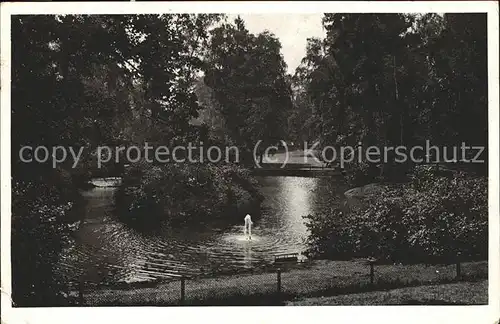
(186, 193)
(430, 219)
(42, 221)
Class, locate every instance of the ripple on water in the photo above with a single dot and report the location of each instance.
(109, 251)
(235, 238)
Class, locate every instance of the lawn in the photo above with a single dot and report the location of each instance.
(321, 278)
(461, 293)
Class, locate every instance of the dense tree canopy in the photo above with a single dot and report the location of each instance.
(95, 75)
(82, 81)
(394, 79)
(247, 75)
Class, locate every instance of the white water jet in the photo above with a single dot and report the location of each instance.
(248, 227)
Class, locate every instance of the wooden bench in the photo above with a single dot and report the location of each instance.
(286, 257)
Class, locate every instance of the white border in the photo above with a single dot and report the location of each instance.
(235, 7)
(240, 315)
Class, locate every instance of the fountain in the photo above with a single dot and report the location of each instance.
(248, 227)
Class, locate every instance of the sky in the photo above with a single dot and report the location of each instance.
(291, 29)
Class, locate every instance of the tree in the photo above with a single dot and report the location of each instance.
(248, 79)
(210, 112)
(397, 79)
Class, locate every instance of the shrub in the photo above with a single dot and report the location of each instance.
(430, 219)
(185, 193)
(42, 221)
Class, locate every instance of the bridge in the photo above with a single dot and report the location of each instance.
(296, 170)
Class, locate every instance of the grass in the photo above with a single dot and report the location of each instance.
(462, 293)
(321, 278)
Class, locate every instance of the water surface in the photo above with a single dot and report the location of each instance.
(107, 251)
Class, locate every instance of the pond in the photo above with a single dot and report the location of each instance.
(107, 252)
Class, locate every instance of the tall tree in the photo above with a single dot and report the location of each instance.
(394, 79)
(248, 76)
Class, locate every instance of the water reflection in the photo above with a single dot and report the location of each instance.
(107, 251)
(248, 255)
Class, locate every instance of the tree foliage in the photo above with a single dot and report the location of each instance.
(186, 195)
(83, 81)
(247, 75)
(394, 79)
